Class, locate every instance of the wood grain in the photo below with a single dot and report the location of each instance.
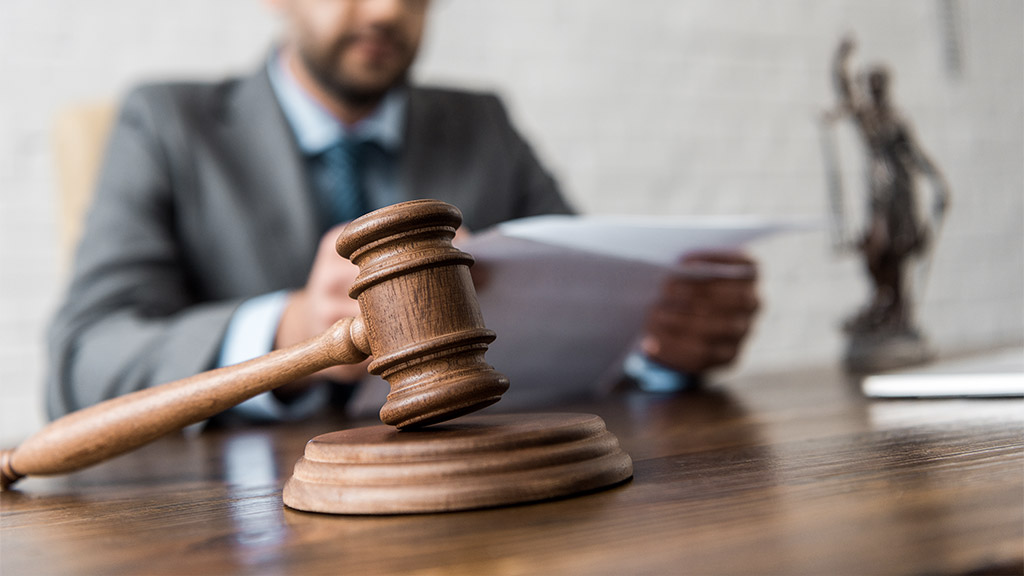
(475, 462)
(97, 433)
(791, 473)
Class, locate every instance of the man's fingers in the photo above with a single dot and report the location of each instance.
(712, 270)
(710, 297)
(688, 354)
(725, 327)
(704, 313)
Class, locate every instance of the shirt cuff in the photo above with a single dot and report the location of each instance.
(250, 334)
(653, 377)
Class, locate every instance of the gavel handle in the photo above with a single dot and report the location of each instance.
(91, 435)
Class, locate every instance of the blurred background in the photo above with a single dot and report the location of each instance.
(641, 107)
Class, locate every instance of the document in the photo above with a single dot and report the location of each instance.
(658, 240)
(567, 295)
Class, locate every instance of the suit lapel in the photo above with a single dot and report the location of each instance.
(273, 178)
(442, 158)
(425, 150)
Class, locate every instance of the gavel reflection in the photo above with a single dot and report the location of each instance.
(419, 319)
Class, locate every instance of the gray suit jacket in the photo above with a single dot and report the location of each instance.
(203, 202)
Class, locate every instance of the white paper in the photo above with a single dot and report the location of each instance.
(564, 319)
(659, 240)
(567, 295)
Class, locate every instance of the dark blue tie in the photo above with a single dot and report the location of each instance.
(338, 179)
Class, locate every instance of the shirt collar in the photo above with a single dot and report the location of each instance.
(317, 130)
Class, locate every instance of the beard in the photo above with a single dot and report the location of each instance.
(326, 65)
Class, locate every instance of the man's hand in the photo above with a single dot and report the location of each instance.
(703, 314)
(322, 302)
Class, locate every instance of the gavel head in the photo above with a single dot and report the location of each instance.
(420, 313)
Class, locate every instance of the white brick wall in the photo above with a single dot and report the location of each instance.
(681, 106)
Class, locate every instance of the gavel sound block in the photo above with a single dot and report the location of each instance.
(421, 322)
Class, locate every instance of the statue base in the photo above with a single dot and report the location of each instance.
(871, 352)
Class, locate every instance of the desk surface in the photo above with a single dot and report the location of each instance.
(790, 473)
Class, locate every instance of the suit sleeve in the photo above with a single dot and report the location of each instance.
(131, 318)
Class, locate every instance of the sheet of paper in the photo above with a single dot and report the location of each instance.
(565, 320)
(567, 295)
(659, 240)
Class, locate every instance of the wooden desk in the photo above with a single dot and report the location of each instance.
(783, 474)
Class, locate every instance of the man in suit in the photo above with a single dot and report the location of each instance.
(211, 237)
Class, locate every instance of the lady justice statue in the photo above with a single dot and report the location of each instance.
(883, 335)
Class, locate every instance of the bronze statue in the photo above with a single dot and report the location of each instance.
(893, 232)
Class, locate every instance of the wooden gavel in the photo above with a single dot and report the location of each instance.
(420, 320)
